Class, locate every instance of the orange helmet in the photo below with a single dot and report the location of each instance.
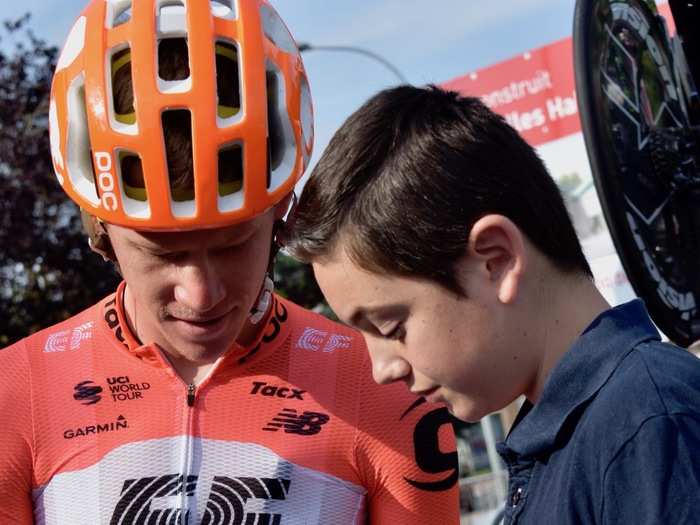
(245, 95)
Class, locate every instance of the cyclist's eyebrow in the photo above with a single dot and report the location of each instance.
(141, 245)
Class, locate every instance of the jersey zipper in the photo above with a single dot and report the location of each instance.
(187, 458)
(188, 452)
(190, 394)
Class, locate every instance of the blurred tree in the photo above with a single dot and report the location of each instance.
(47, 271)
(296, 281)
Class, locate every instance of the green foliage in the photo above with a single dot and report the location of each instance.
(569, 182)
(296, 281)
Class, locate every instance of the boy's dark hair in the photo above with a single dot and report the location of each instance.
(405, 178)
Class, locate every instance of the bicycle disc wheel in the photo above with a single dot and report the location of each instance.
(627, 97)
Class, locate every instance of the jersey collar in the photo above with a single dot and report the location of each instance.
(276, 327)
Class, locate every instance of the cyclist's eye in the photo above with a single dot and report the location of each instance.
(227, 250)
(169, 256)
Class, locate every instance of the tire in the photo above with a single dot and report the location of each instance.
(627, 97)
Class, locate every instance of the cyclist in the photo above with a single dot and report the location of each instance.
(194, 394)
(437, 231)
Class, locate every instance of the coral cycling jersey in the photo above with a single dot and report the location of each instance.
(100, 429)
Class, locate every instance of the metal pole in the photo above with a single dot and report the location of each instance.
(305, 46)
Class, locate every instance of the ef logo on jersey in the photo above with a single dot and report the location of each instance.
(150, 500)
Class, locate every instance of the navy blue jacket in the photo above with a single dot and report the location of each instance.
(615, 435)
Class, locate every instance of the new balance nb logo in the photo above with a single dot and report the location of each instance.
(305, 424)
(155, 500)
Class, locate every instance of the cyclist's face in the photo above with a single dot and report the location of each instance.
(192, 291)
(454, 349)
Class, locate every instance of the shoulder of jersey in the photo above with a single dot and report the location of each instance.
(332, 341)
(65, 336)
(316, 333)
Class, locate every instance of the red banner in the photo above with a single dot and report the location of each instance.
(534, 91)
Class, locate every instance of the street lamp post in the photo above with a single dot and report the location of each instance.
(305, 46)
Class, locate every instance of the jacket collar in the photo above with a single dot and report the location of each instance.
(578, 376)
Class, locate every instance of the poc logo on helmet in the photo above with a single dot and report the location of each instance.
(105, 180)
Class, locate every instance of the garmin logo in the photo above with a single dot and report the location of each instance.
(88, 430)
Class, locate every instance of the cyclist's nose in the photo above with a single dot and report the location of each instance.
(200, 286)
(387, 365)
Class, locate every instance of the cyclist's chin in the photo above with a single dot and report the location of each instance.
(203, 335)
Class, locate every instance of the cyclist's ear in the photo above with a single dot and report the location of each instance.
(497, 251)
(98, 238)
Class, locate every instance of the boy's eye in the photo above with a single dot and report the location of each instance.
(398, 332)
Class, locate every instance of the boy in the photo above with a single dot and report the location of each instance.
(435, 230)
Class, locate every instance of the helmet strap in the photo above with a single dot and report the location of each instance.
(265, 297)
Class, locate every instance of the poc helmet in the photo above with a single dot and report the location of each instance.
(243, 97)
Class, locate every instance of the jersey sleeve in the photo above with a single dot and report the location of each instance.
(16, 436)
(655, 477)
(406, 453)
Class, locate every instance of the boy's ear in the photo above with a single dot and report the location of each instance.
(498, 245)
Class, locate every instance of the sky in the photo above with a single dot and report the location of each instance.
(429, 41)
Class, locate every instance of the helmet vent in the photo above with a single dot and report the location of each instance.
(230, 169)
(228, 88)
(224, 9)
(281, 141)
(230, 178)
(131, 171)
(276, 31)
(79, 160)
(307, 119)
(274, 124)
(172, 18)
(133, 184)
(123, 114)
(118, 12)
(173, 59)
(177, 133)
(123, 17)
